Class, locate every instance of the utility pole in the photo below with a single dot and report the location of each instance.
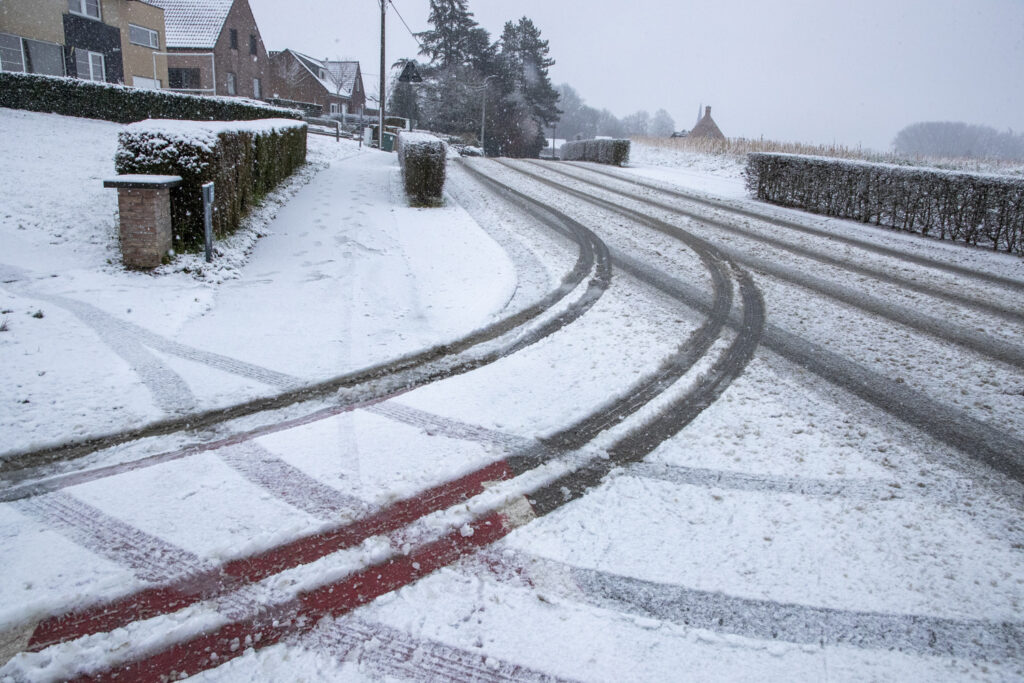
(380, 130)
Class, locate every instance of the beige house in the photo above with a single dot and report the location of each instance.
(113, 41)
(215, 48)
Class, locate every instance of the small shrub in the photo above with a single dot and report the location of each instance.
(4, 325)
(614, 152)
(245, 160)
(38, 314)
(423, 159)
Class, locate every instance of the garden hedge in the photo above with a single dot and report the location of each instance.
(245, 160)
(423, 158)
(975, 208)
(615, 152)
(120, 104)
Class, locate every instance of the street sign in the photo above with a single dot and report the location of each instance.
(410, 74)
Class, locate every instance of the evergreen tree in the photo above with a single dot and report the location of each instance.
(448, 43)
(528, 103)
(460, 54)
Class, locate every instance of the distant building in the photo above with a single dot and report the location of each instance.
(216, 48)
(335, 87)
(707, 128)
(111, 41)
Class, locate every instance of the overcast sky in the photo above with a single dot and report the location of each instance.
(850, 71)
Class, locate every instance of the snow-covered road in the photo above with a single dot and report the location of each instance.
(633, 437)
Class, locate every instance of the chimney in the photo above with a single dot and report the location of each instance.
(707, 111)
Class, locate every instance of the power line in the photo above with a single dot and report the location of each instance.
(395, 7)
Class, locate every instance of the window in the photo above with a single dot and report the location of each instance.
(183, 79)
(252, 44)
(140, 35)
(31, 56)
(234, 38)
(86, 8)
(334, 108)
(256, 88)
(90, 65)
(44, 58)
(232, 84)
(11, 57)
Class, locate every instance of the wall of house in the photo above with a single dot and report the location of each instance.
(291, 81)
(38, 19)
(194, 59)
(138, 59)
(240, 62)
(84, 33)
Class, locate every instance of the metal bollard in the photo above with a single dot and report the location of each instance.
(208, 218)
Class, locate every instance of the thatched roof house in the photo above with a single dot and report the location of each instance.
(707, 128)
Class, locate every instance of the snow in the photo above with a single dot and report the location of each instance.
(785, 496)
(306, 285)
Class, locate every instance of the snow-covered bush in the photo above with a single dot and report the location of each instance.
(120, 104)
(976, 208)
(423, 158)
(615, 152)
(244, 159)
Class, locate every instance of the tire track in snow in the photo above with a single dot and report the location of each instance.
(425, 559)
(982, 442)
(447, 427)
(942, 329)
(169, 391)
(504, 337)
(290, 484)
(854, 489)
(766, 620)
(384, 651)
(898, 254)
(150, 558)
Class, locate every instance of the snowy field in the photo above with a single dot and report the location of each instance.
(791, 530)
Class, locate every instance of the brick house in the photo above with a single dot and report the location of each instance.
(113, 41)
(335, 86)
(215, 48)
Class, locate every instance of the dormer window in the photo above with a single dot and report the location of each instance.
(85, 8)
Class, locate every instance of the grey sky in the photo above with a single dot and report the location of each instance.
(806, 70)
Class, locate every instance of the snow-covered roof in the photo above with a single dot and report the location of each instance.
(338, 77)
(344, 74)
(193, 23)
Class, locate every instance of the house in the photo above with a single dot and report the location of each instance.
(707, 128)
(113, 41)
(214, 48)
(335, 86)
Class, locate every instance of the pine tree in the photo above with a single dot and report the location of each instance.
(529, 102)
(448, 43)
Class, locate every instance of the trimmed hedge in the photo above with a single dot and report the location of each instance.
(615, 152)
(245, 160)
(120, 104)
(423, 158)
(975, 208)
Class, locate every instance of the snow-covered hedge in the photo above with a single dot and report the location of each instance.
(615, 152)
(975, 208)
(111, 102)
(423, 159)
(245, 160)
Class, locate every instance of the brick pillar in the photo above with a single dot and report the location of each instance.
(144, 205)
